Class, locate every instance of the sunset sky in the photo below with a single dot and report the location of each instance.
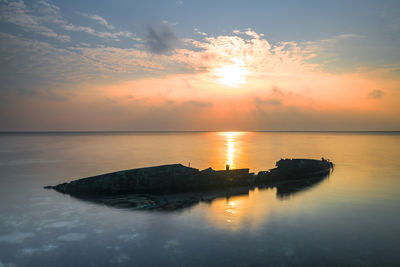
(199, 65)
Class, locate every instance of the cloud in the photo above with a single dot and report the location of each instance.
(99, 20)
(375, 94)
(250, 53)
(38, 20)
(179, 3)
(197, 103)
(196, 30)
(327, 50)
(16, 12)
(325, 43)
(169, 22)
(268, 102)
(105, 35)
(161, 39)
(43, 70)
(47, 62)
(249, 32)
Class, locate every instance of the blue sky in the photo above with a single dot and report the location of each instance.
(51, 49)
(376, 22)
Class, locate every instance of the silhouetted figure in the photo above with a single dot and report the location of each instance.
(227, 167)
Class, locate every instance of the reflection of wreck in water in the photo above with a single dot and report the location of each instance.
(170, 187)
(289, 188)
(285, 190)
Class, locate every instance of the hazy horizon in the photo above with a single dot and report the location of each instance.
(166, 131)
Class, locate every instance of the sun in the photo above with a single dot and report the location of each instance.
(231, 75)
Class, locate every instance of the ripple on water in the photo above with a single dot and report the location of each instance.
(72, 237)
(39, 250)
(128, 237)
(15, 238)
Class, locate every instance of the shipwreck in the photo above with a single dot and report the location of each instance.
(175, 185)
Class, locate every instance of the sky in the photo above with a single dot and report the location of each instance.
(180, 65)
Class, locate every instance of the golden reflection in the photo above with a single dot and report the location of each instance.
(248, 211)
(232, 147)
(262, 150)
(230, 151)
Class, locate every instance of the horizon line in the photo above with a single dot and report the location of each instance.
(192, 131)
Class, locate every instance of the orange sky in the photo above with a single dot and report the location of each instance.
(234, 82)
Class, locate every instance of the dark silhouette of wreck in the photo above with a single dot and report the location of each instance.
(176, 186)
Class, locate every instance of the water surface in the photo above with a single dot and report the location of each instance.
(351, 218)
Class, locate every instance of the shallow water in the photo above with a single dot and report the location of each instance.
(350, 218)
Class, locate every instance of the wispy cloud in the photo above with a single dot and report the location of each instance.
(179, 3)
(269, 101)
(98, 19)
(249, 32)
(327, 47)
(105, 35)
(196, 30)
(375, 94)
(334, 39)
(41, 64)
(16, 12)
(45, 15)
(169, 22)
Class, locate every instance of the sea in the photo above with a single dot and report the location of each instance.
(350, 218)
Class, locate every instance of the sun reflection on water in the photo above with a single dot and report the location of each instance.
(240, 211)
(249, 209)
(232, 147)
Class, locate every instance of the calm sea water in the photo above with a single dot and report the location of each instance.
(351, 218)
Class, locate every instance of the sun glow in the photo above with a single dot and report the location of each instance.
(232, 75)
